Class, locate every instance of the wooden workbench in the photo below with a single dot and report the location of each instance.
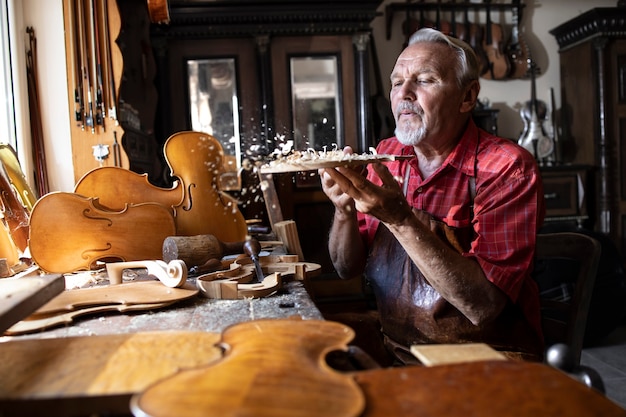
(62, 372)
(196, 314)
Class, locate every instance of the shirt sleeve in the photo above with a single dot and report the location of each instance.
(508, 211)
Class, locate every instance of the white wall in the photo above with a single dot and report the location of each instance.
(46, 17)
(539, 17)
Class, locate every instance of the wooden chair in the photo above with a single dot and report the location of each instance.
(566, 265)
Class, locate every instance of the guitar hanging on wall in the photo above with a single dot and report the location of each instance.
(534, 137)
(159, 11)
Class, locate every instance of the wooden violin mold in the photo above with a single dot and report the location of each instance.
(235, 280)
(240, 287)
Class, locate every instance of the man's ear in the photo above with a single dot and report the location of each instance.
(471, 96)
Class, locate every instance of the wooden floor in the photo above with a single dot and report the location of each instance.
(608, 358)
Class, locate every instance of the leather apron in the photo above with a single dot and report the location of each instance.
(413, 312)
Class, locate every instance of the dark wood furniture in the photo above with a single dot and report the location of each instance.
(488, 388)
(574, 257)
(592, 52)
(568, 191)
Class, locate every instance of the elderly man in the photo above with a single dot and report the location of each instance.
(446, 237)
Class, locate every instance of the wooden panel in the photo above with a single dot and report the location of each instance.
(561, 194)
(87, 375)
(22, 296)
(578, 96)
(488, 388)
(83, 138)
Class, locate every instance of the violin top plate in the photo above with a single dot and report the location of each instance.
(347, 161)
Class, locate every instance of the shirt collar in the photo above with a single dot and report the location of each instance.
(463, 156)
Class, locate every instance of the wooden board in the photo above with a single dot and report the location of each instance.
(486, 388)
(315, 164)
(19, 297)
(431, 355)
(85, 375)
(140, 292)
(45, 322)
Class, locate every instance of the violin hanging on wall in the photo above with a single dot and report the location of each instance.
(498, 67)
(534, 137)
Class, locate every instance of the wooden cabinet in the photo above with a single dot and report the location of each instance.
(592, 52)
(566, 189)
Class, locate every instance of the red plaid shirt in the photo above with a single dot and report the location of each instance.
(508, 206)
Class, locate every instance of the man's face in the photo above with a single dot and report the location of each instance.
(425, 97)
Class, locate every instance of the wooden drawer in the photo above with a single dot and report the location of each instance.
(563, 194)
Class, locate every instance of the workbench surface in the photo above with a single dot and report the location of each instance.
(195, 314)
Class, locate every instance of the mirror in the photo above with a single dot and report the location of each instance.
(315, 102)
(213, 104)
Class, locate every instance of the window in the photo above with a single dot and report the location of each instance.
(7, 108)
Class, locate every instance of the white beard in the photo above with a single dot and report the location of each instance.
(405, 133)
(410, 137)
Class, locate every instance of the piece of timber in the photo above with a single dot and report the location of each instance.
(45, 322)
(443, 354)
(22, 296)
(140, 292)
(96, 374)
(486, 388)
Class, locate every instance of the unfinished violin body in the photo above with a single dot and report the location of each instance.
(197, 160)
(269, 368)
(115, 187)
(70, 232)
(199, 207)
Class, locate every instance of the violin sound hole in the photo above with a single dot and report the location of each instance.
(88, 253)
(190, 198)
(87, 214)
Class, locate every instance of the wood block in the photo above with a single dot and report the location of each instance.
(22, 296)
(89, 374)
(440, 354)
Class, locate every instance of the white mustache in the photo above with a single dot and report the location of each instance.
(405, 105)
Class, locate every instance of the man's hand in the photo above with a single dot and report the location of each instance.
(344, 204)
(349, 188)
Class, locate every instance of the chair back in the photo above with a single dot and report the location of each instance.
(566, 264)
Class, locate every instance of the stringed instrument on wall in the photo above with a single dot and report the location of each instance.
(517, 50)
(498, 67)
(473, 34)
(159, 11)
(534, 137)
